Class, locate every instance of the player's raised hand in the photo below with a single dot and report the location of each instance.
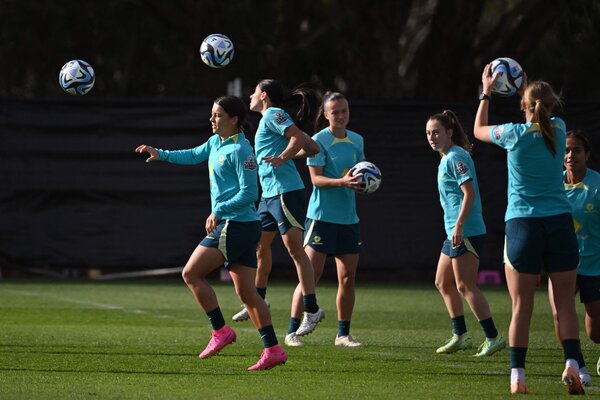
(154, 156)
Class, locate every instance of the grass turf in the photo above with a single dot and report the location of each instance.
(81, 340)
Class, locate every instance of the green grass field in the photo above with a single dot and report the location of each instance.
(80, 340)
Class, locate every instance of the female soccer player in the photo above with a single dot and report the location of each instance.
(332, 223)
(539, 228)
(459, 259)
(278, 140)
(583, 191)
(233, 227)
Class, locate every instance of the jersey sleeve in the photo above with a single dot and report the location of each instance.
(186, 157)
(361, 148)
(246, 169)
(319, 159)
(278, 121)
(506, 135)
(458, 167)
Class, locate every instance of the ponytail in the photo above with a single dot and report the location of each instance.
(541, 99)
(303, 103)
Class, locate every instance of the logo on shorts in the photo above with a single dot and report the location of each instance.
(317, 240)
(497, 132)
(461, 168)
(250, 164)
(589, 207)
(280, 118)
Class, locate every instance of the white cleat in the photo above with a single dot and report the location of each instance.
(243, 314)
(347, 341)
(293, 340)
(310, 321)
(584, 375)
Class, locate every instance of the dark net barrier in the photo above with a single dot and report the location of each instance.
(74, 194)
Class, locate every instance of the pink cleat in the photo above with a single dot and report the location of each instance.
(270, 357)
(570, 377)
(219, 339)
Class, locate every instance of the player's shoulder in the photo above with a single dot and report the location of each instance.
(592, 178)
(277, 115)
(354, 136)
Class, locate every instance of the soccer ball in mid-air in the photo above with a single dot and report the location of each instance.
(76, 77)
(217, 50)
(371, 176)
(510, 76)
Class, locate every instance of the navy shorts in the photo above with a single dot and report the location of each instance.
(548, 243)
(589, 288)
(283, 211)
(332, 239)
(472, 244)
(236, 240)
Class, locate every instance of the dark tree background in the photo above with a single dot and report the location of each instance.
(378, 49)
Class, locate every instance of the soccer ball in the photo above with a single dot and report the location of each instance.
(510, 76)
(371, 176)
(76, 77)
(217, 50)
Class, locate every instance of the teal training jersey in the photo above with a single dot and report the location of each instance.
(270, 140)
(456, 168)
(335, 204)
(585, 200)
(232, 171)
(535, 178)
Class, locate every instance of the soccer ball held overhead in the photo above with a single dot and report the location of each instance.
(510, 76)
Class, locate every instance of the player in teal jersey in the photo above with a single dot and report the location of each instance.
(539, 229)
(233, 227)
(583, 191)
(332, 223)
(458, 264)
(278, 140)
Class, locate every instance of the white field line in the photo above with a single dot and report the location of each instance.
(104, 306)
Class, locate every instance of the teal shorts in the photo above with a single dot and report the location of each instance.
(332, 239)
(283, 211)
(236, 240)
(541, 243)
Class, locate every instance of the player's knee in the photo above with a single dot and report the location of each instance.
(443, 286)
(187, 276)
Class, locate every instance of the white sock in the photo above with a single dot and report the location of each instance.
(583, 370)
(517, 374)
(571, 362)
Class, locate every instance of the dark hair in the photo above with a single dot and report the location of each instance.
(449, 120)
(302, 104)
(540, 99)
(582, 138)
(321, 121)
(234, 107)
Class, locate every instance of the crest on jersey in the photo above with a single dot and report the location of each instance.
(280, 118)
(497, 132)
(461, 168)
(250, 164)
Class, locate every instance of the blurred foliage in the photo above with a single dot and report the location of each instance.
(378, 49)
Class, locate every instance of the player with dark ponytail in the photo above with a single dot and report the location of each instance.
(278, 140)
(458, 264)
